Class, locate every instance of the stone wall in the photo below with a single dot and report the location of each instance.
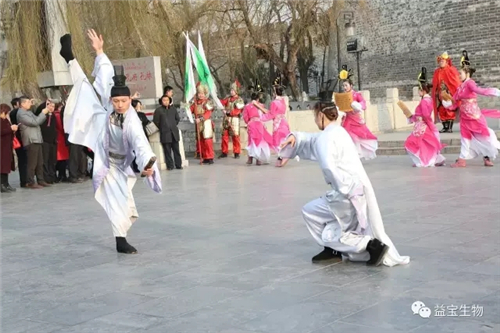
(403, 35)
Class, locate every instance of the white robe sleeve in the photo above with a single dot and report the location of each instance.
(103, 73)
(305, 146)
(84, 116)
(139, 143)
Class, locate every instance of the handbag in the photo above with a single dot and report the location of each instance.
(151, 128)
(15, 143)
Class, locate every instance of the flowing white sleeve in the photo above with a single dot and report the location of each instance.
(305, 146)
(84, 116)
(103, 73)
(142, 149)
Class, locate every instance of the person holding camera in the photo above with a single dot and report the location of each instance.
(31, 134)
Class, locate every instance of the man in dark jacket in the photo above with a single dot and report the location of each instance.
(166, 119)
(22, 158)
(49, 145)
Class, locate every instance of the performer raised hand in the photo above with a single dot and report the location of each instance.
(346, 220)
(112, 130)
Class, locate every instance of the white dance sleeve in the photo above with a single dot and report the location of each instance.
(84, 116)
(305, 146)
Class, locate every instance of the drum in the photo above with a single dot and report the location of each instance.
(207, 130)
(235, 125)
(343, 101)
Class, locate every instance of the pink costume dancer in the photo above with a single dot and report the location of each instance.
(476, 138)
(260, 141)
(424, 145)
(277, 113)
(365, 142)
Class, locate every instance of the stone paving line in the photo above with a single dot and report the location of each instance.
(224, 249)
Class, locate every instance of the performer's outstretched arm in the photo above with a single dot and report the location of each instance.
(103, 68)
(300, 144)
(482, 91)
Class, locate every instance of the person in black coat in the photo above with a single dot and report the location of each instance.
(49, 146)
(22, 157)
(137, 105)
(166, 119)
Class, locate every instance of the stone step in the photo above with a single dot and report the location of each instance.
(400, 143)
(388, 151)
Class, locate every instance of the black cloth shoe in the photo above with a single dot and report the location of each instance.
(327, 254)
(223, 155)
(211, 161)
(4, 189)
(236, 155)
(66, 48)
(122, 246)
(179, 168)
(446, 126)
(10, 188)
(377, 251)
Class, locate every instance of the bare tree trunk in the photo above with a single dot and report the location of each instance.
(303, 72)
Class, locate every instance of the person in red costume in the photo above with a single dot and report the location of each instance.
(233, 106)
(446, 79)
(202, 108)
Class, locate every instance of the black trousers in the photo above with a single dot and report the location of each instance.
(34, 152)
(167, 150)
(4, 179)
(49, 161)
(22, 164)
(61, 167)
(77, 162)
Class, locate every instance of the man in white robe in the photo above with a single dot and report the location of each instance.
(346, 221)
(112, 130)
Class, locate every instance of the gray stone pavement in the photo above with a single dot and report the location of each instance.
(224, 249)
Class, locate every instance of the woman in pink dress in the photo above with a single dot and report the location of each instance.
(355, 125)
(423, 145)
(260, 141)
(277, 113)
(476, 138)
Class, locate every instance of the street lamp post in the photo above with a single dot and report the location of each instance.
(348, 16)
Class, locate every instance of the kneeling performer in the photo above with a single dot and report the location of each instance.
(346, 220)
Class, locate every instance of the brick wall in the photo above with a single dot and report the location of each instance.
(404, 35)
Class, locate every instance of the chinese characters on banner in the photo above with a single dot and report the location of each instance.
(143, 75)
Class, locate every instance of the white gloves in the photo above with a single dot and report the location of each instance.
(356, 106)
(497, 92)
(447, 104)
